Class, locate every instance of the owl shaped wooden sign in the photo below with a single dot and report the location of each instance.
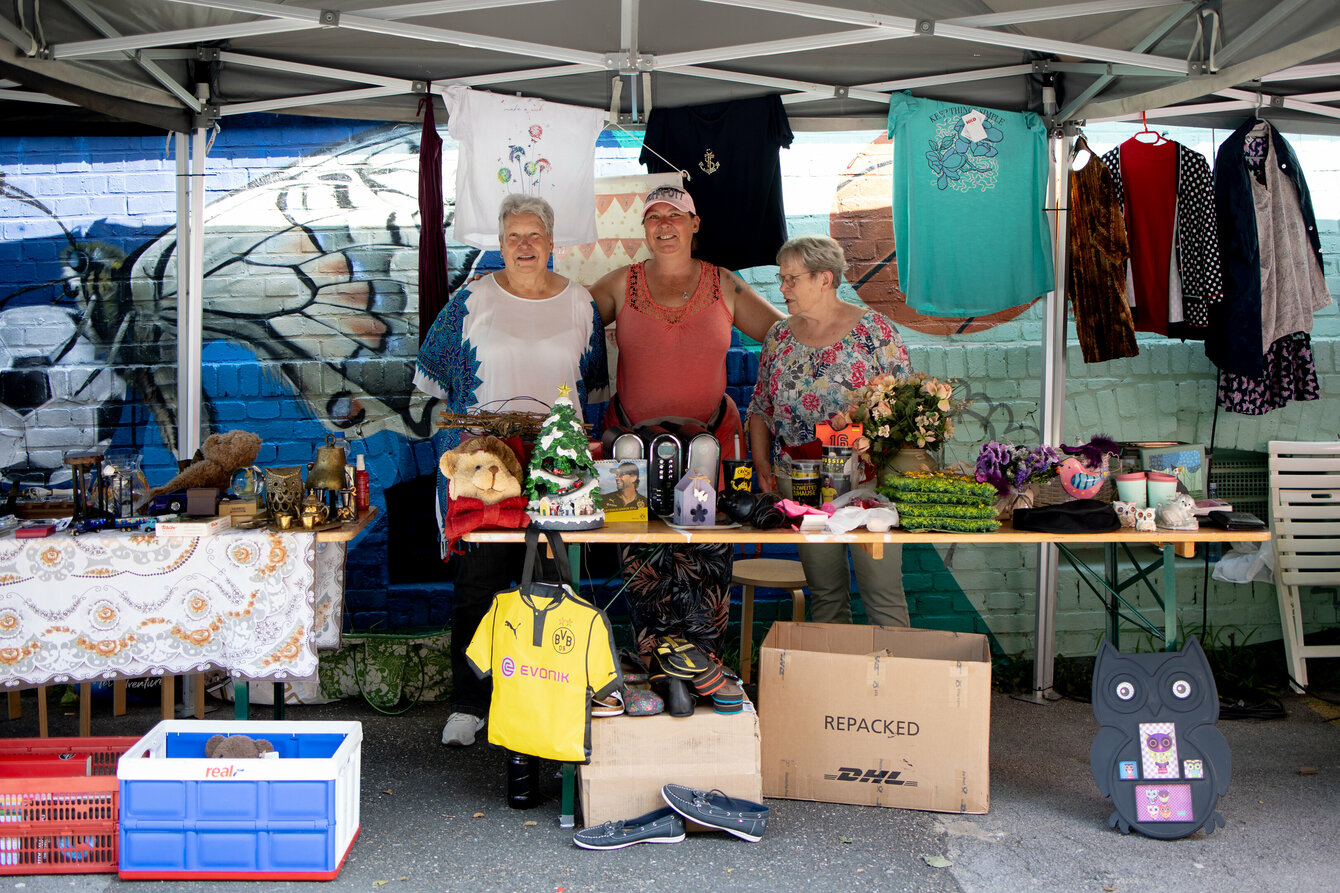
(1158, 755)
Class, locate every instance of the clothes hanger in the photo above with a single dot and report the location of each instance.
(1080, 153)
(1157, 139)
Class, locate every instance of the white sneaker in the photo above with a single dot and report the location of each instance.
(461, 729)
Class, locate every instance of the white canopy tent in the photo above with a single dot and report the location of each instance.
(183, 65)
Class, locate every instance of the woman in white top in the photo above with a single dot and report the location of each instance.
(505, 343)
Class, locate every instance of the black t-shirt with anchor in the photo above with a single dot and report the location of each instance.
(730, 150)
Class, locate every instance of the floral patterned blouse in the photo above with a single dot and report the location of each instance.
(801, 386)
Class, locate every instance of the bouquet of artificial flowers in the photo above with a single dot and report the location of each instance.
(902, 411)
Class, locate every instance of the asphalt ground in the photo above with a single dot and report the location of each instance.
(435, 819)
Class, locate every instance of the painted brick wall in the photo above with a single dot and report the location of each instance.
(312, 237)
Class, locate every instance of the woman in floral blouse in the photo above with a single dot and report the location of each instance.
(812, 362)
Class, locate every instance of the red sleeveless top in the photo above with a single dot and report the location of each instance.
(672, 361)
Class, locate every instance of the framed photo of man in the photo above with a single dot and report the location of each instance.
(623, 488)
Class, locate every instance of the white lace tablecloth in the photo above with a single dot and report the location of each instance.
(107, 605)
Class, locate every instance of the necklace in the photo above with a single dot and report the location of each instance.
(683, 291)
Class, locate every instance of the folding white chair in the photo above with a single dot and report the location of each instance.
(1305, 522)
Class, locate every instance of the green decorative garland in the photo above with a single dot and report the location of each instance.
(909, 510)
(937, 488)
(951, 525)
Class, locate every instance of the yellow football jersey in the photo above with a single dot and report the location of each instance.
(550, 652)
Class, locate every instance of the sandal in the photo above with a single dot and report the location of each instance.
(680, 659)
(709, 682)
(610, 705)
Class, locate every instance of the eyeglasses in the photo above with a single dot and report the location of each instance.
(790, 281)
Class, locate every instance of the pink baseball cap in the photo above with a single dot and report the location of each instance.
(673, 196)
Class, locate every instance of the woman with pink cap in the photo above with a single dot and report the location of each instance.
(674, 315)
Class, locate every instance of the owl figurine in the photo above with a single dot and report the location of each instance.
(1144, 520)
(1157, 754)
(1125, 512)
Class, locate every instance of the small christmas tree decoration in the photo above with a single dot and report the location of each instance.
(561, 481)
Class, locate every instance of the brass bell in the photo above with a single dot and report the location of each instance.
(327, 471)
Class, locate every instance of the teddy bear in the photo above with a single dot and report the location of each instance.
(484, 479)
(236, 747)
(482, 468)
(216, 460)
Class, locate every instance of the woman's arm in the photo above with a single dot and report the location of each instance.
(754, 315)
(760, 445)
(608, 293)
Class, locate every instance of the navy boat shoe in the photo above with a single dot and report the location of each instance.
(743, 818)
(661, 826)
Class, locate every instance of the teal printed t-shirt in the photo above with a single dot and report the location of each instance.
(969, 185)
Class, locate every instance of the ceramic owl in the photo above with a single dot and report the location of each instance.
(1144, 520)
(1158, 754)
(1125, 512)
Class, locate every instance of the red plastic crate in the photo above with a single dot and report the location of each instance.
(52, 820)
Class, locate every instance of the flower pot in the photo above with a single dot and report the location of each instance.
(909, 459)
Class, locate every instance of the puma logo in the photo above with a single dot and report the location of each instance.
(515, 632)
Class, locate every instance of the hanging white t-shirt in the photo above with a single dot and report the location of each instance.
(531, 146)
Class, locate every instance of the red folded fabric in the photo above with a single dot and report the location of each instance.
(467, 514)
(813, 449)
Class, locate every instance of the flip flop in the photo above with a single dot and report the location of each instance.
(681, 659)
(709, 682)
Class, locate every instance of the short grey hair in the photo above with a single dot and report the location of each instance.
(818, 254)
(515, 203)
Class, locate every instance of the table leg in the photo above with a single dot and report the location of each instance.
(874, 550)
(167, 696)
(746, 633)
(42, 711)
(241, 698)
(1113, 605)
(198, 694)
(567, 816)
(15, 705)
(1169, 598)
(85, 709)
(278, 710)
(119, 697)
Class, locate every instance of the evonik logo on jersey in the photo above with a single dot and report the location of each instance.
(871, 776)
(511, 668)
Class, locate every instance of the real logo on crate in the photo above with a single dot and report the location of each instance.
(870, 776)
(876, 725)
(229, 771)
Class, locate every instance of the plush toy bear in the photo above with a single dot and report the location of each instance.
(482, 468)
(236, 747)
(484, 488)
(216, 460)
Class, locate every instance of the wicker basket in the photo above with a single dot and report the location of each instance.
(1052, 493)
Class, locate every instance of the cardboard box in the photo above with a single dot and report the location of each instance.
(633, 757)
(875, 715)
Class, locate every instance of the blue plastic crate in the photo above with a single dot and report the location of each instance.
(184, 816)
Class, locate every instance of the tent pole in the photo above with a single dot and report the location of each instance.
(190, 288)
(1053, 413)
(182, 148)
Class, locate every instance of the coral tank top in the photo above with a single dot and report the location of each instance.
(672, 361)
